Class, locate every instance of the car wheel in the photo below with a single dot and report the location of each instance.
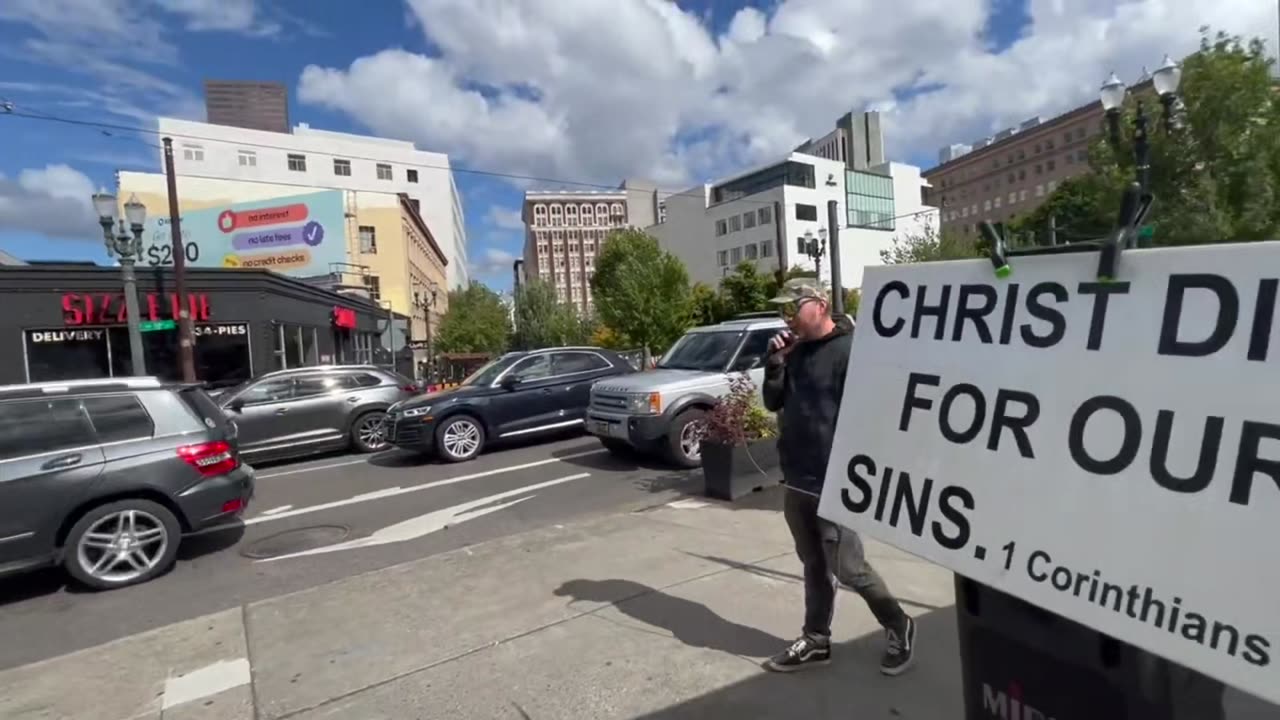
(619, 448)
(460, 438)
(684, 439)
(122, 543)
(369, 432)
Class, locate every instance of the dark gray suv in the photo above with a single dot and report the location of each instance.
(302, 411)
(105, 476)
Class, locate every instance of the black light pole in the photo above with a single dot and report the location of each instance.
(815, 248)
(126, 245)
(837, 290)
(1166, 79)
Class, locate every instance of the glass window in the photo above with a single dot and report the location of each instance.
(314, 385)
(735, 223)
(374, 286)
(753, 350)
(34, 427)
(806, 212)
(70, 354)
(277, 346)
(751, 252)
(766, 215)
(722, 227)
(354, 381)
(193, 152)
(565, 363)
(297, 163)
(118, 417)
(368, 239)
(222, 353)
(310, 349)
(706, 351)
(247, 158)
(342, 167)
(735, 255)
(384, 171)
(267, 391)
(800, 248)
(411, 175)
(766, 249)
(293, 345)
(722, 257)
(532, 368)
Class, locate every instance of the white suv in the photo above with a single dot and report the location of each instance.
(661, 411)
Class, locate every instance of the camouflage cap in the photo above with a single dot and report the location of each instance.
(798, 289)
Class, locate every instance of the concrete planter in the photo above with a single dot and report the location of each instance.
(732, 471)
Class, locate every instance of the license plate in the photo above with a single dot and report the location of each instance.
(600, 428)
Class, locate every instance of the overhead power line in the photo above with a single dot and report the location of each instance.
(693, 193)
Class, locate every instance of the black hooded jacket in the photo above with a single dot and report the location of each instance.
(805, 389)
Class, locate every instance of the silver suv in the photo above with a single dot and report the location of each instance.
(661, 411)
(302, 411)
(104, 476)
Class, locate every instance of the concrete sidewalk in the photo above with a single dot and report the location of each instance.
(661, 614)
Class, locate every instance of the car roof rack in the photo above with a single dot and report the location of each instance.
(68, 387)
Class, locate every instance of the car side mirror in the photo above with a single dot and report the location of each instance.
(236, 405)
(509, 382)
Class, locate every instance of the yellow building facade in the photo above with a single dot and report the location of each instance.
(389, 248)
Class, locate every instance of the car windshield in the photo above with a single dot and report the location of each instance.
(706, 351)
(491, 370)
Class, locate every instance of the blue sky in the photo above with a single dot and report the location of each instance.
(579, 90)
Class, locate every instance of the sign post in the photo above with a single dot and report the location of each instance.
(1105, 449)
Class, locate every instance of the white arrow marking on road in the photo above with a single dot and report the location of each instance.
(434, 521)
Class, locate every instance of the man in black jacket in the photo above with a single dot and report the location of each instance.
(804, 383)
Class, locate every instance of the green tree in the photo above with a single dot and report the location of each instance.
(706, 305)
(477, 322)
(929, 245)
(1215, 179)
(641, 291)
(541, 320)
(852, 299)
(746, 290)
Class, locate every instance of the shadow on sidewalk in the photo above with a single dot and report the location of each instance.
(691, 623)
(850, 687)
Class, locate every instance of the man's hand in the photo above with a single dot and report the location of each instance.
(781, 345)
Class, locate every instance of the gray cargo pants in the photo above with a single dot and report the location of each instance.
(831, 553)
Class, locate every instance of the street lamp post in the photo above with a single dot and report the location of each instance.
(425, 301)
(816, 248)
(1166, 79)
(125, 244)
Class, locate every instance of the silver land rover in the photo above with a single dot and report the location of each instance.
(661, 411)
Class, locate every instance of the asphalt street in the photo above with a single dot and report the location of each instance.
(321, 520)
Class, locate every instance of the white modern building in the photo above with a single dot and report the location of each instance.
(769, 215)
(309, 158)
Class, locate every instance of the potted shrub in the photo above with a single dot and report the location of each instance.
(739, 452)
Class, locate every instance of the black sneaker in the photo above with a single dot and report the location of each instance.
(901, 649)
(803, 653)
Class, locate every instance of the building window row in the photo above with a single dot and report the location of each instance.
(750, 251)
(579, 214)
(745, 221)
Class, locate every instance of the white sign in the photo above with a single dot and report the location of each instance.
(1108, 451)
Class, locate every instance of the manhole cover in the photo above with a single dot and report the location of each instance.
(292, 541)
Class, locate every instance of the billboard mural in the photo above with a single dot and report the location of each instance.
(296, 235)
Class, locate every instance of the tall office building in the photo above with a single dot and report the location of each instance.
(564, 231)
(247, 104)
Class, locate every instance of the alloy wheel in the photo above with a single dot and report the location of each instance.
(123, 546)
(691, 440)
(373, 431)
(462, 438)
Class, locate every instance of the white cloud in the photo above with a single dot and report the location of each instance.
(597, 90)
(495, 261)
(505, 218)
(53, 200)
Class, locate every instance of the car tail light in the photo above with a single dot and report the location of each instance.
(409, 388)
(211, 458)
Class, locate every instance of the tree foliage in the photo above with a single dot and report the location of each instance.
(746, 290)
(928, 245)
(1215, 179)
(707, 306)
(641, 291)
(541, 320)
(477, 322)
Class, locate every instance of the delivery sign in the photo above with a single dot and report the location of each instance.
(298, 235)
(1109, 451)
